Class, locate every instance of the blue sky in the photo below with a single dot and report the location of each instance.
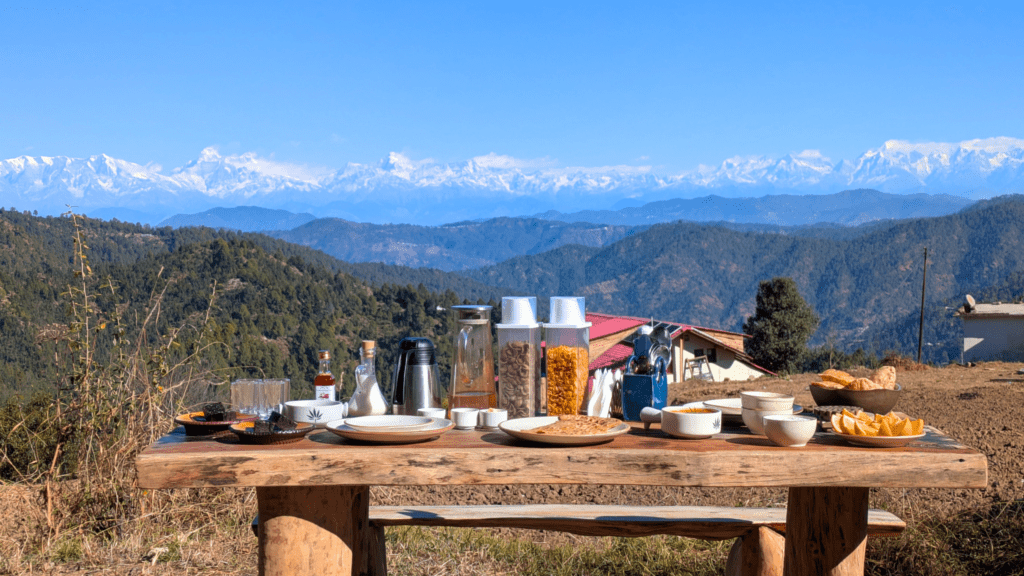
(583, 84)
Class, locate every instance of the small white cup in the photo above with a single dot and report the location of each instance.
(464, 418)
(491, 417)
(431, 412)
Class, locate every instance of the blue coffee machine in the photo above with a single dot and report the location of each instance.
(645, 382)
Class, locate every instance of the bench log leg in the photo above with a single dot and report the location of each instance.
(314, 530)
(378, 561)
(759, 553)
(826, 531)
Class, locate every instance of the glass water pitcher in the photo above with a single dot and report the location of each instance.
(473, 365)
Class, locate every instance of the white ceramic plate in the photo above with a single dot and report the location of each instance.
(389, 423)
(437, 427)
(521, 428)
(730, 406)
(879, 441)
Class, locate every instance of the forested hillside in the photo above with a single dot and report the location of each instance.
(449, 247)
(273, 303)
(708, 275)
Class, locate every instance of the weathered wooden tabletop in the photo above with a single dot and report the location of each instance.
(733, 458)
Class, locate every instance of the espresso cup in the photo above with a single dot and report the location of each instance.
(464, 418)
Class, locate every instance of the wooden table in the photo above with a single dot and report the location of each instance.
(314, 494)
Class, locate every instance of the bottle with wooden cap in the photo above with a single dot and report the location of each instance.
(367, 400)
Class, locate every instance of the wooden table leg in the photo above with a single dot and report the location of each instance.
(826, 531)
(314, 530)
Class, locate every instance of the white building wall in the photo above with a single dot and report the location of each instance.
(726, 366)
(993, 339)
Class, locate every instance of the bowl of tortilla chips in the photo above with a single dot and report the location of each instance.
(877, 394)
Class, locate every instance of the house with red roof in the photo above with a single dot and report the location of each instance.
(696, 350)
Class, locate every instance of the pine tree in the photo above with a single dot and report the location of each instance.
(781, 325)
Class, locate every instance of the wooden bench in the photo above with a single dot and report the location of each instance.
(759, 550)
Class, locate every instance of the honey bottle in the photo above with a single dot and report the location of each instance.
(323, 384)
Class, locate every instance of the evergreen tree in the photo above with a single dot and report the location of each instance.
(781, 325)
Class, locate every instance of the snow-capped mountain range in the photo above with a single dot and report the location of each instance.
(400, 189)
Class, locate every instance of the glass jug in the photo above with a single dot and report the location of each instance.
(473, 364)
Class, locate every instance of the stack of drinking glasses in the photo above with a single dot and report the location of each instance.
(260, 396)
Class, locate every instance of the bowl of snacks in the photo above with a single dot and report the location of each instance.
(877, 394)
(214, 418)
(876, 430)
(278, 429)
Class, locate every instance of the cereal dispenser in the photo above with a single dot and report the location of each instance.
(567, 341)
(519, 383)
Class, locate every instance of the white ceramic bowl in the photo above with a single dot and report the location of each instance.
(757, 400)
(464, 418)
(693, 425)
(754, 418)
(432, 412)
(791, 430)
(491, 417)
(316, 412)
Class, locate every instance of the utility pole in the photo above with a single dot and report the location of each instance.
(920, 329)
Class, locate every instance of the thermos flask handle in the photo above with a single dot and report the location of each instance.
(398, 380)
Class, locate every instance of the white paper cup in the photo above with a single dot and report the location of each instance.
(519, 310)
(567, 310)
(464, 418)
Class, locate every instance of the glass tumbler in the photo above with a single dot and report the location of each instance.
(243, 395)
(277, 392)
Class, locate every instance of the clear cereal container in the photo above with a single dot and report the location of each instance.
(567, 342)
(519, 383)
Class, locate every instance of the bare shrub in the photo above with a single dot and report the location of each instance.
(81, 502)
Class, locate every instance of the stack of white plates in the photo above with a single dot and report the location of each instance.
(390, 429)
(389, 423)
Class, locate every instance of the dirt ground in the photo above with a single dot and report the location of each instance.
(981, 406)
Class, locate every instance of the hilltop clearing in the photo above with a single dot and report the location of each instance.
(981, 406)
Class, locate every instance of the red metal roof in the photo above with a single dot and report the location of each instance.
(615, 355)
(605, 324)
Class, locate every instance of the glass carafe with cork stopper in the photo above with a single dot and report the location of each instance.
(367, 400)
(473, 363)
(567, 345)
(519, 383)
